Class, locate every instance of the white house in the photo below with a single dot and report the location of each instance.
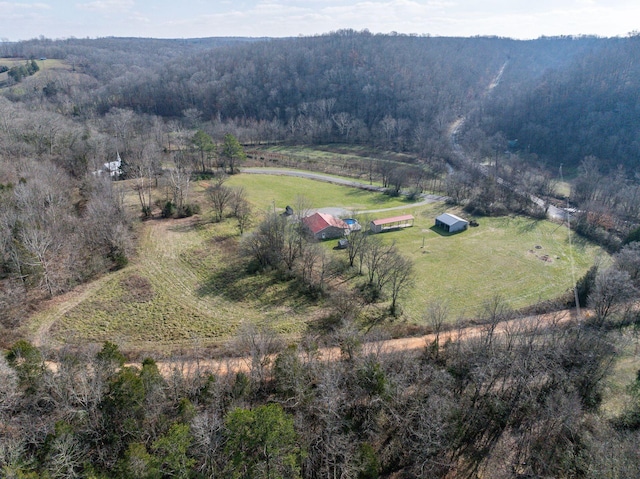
(114, 168)
(451, 223)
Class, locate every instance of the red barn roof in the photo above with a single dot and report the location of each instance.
(320, 221)
(395, 219)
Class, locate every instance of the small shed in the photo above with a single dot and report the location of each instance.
(451, 223)
(396, 222)
(324, 226)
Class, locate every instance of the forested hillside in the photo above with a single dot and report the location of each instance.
(587, 107)
(398, 91)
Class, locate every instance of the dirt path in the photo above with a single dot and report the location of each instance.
(234, 365)
(55, 309)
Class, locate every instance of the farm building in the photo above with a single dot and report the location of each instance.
(396, 222)
(114, 168)
(324, 226)
(451, 223)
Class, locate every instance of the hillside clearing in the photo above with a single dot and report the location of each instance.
(187, 285)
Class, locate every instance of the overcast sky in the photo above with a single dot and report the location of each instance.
(25, 19)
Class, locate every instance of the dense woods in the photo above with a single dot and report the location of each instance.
(585, 109)
(486, 121)
(562, 99)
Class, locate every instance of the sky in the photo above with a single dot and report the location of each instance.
(521, 19)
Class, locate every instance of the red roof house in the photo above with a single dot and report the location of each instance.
(324, 226)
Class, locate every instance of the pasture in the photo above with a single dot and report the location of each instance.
(187, 286)
(49, 64)
(267, 191)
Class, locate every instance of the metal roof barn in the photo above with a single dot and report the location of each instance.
(451, 223)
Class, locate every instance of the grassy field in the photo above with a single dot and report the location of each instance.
(183, 288)
(43, 64)
(520, 259)
(48, 64)
(186, 286)
(346, 160)
(348, 153)
(267, 191)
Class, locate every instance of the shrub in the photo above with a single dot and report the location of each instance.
(634, 235)
(168, 210)
(118, 258)
(191, 209)
(414, 194)
(392, 192)
(146, 211)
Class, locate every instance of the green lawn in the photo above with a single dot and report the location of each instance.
(520, 259)
(185, 287)
(267, 191)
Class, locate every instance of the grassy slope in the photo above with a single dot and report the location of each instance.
(192, 291)
(42, 64)
(192, 288)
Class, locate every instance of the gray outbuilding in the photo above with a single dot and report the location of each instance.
(451, 223)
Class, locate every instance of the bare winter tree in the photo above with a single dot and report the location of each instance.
(344, 123)
(357, 244)
(399, 277)
(142, 166)
(241, 209)
(180, 181)
(375, 255)
(121, 125)
(258, 344)
(611, 294)
(436, 314)
(220, 196)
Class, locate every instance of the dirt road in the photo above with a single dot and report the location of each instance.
(233, 365)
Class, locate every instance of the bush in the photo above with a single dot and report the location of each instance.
(634, 235)
(146, 211)
(191, 209)
(370, 293)
(414, 194)
(119, 258)
(168, 210)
